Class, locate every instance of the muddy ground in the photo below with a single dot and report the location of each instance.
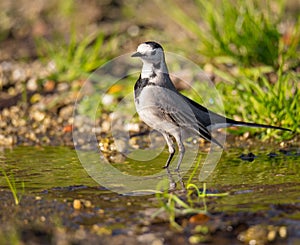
(75, 220)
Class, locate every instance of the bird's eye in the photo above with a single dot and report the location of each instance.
(153, 52)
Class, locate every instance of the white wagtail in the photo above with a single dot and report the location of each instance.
(163, 108)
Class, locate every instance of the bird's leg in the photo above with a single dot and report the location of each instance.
(181, 154)
(181, 151)
(172, 184)
(171, 149)
(181, 182)
(169, 159)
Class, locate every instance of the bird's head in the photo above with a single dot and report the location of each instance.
(150, 52)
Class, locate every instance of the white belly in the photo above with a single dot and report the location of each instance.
(148, 105)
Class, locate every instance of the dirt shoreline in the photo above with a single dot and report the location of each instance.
(43, 220)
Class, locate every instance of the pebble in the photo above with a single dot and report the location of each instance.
(38, 116)
(87, 203)
(76, 204)
(43, 218)
(63, 87)
(150, 238)
(107, 99)
(32, 84)
(18, 74)
(248, 157)
(7, 140)
(196, 239)
(14, 72)
(282, 232)
(105, 126)
(66, 112)
(262, 234)
(101, 230)
(133, 127)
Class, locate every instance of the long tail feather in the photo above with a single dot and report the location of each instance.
(253, 125)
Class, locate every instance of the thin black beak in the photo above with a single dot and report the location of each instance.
(136, 54)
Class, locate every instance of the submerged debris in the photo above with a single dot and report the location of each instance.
(248, 157)
(272, 154)
(262, 234)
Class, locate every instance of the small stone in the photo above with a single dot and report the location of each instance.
(32, 84)
(150, 238)
(133, 127)
(199, 219)
(282, 232)
(254, 235)
(246, 135)
(271, 235)
(248, 157)
(101, 230)
(105, 126)
(5, 112)
(31, 136)
(209, 68)
(51, 67)
(38, 116)
(35, 98)
(18, 74)
(49, 85)
(121, 145)
(272, 154)
(195, 239)
(76, 204)
(157, 242)
(107, 99)
(7, 140)
(80, 233)
(87, 203)
(66, 112)
(62, 87)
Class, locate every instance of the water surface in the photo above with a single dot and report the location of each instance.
(267, 184)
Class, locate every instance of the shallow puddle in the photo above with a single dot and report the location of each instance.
(268, 186)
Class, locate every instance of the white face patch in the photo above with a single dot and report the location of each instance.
(144, 48)
(149, 55)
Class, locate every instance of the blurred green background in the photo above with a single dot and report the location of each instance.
(250, 49)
